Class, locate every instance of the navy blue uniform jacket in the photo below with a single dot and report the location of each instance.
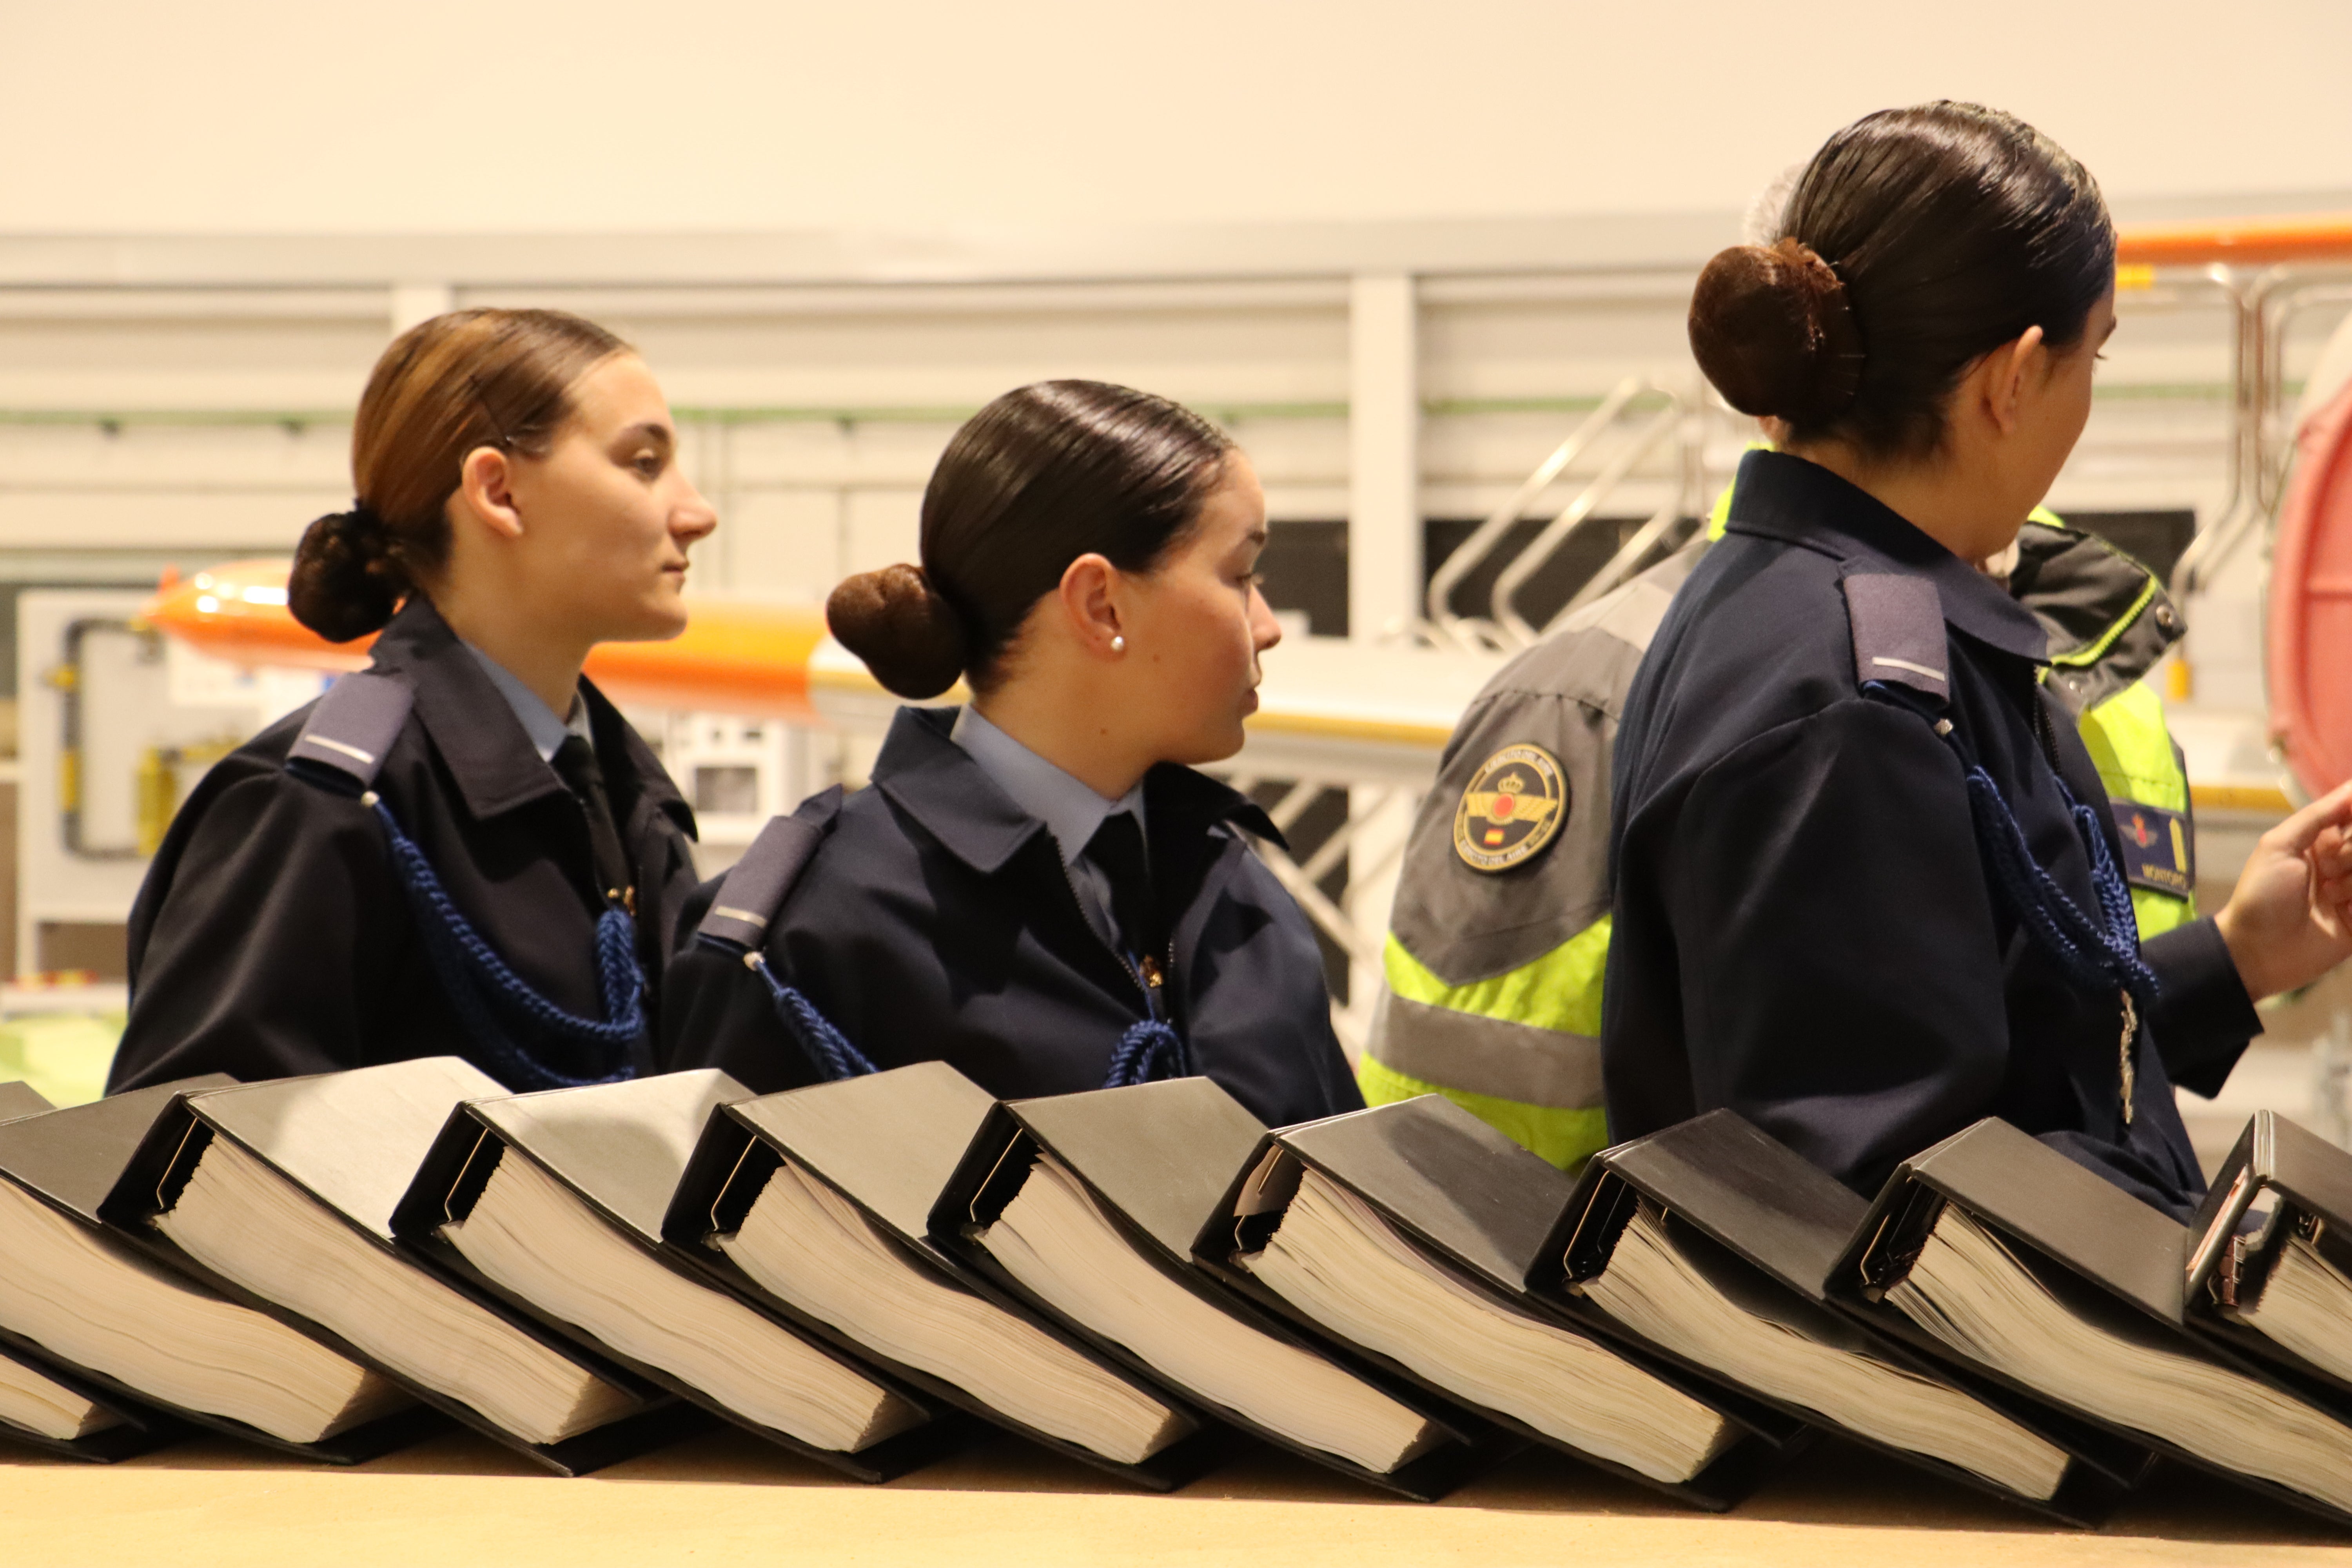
(272, 937)
(936, 923)
(1804, 929)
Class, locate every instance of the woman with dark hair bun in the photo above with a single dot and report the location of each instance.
(465, 849)
(1866, 877)
(1037, 887)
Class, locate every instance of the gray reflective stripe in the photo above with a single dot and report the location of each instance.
(1486, 1056)
(1913, 669)
(1633, 612)
(746, 916)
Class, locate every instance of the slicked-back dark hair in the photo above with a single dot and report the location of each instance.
(1950, 229)
(1045, 474)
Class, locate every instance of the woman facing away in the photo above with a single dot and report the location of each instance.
(465, 849)
(1867, 879)
(1037, 887)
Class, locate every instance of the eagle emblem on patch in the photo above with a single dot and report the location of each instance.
(1512, 809)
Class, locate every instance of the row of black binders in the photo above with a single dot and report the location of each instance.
(870, 1272)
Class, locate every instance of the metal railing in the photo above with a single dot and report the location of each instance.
(1617, 445)
(1638, 418)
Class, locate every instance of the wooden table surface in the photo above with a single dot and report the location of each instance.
(726, 1499)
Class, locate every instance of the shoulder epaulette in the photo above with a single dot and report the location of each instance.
(756, 887)
(351, 732)
(1898, 633)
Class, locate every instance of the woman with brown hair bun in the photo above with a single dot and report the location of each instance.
(1037, 887)
(1866, 877)
(464, 850)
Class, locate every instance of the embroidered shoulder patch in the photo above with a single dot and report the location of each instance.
(1512, 810)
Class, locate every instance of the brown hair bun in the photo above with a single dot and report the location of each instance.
(345, 584)
(1774, 331)
(910, 637)
(479, 377)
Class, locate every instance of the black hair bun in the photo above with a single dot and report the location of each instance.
(910, 637)
(345, 583)
(1774, 331)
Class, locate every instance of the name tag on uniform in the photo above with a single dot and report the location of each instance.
(2159, 851)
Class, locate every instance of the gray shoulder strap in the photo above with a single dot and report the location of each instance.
(756, 887)
(1898, 633)
(351, 729)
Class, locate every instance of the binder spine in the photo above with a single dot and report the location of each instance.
(725, 1176)
(1271, 1181)
(2086, 1496)
(459, 1170)
(991, 1173)
(158, 1173)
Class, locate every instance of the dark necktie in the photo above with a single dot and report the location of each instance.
(1118, 848)
(575, 764)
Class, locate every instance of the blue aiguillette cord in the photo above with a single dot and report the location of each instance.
(479, 983)
(1149, 1049)
(2098, 952)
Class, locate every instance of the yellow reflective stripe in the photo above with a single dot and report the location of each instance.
(2096, 651)
(2130, 746)
(1567, 1138)
(2132, 750)
(2092, 653)
(1719, 519)
(2159, 911)
(1560, 991)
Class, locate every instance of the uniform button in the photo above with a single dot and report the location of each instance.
(2167, 617)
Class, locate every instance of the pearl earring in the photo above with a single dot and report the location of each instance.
(1119, 644)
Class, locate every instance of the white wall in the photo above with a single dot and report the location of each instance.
(534, 115)
(192, 426)
(746, 190)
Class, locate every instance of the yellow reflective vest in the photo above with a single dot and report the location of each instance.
(1500, 932)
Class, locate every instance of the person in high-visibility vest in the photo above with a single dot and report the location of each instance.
(1500, 932)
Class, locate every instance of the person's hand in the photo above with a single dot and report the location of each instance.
(2290, 919)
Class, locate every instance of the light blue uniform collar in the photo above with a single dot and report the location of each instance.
(538, 720)
(1070, 810)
